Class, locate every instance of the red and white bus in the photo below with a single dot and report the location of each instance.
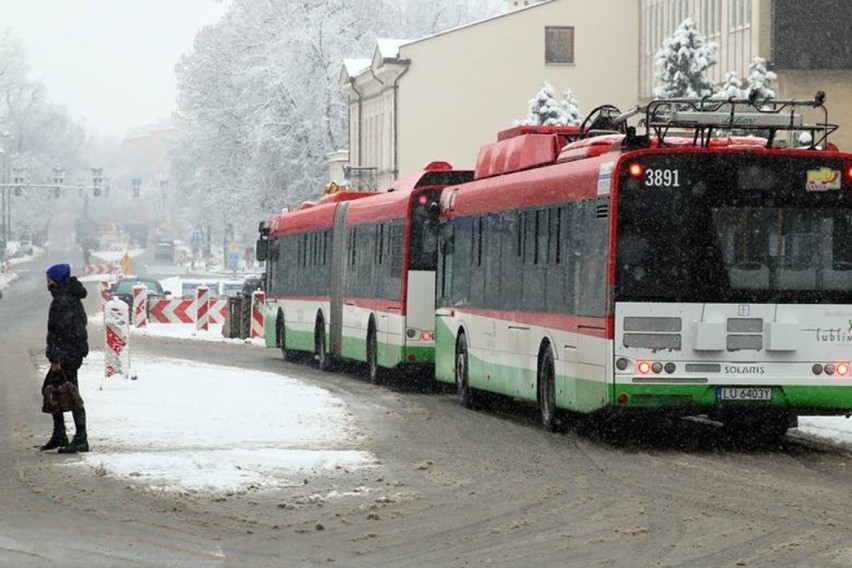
(352, 277)
(703, 267)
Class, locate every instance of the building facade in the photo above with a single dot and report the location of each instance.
(444, 96)
(804, 43)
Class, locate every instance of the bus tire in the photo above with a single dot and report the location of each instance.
(320, 346)
(374, 372)
(462, 372)
(547, 390)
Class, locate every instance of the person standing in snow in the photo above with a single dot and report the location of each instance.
(67, 346)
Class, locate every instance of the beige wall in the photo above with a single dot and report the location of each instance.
(464, 86)
(838, 88)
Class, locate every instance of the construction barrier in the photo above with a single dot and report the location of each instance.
(97, 269)
(258, 311)
(202, 308)
(117, 338)
(140, 306)
(176, 310)
(103, 291)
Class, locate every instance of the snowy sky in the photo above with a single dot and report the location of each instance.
(109, 61)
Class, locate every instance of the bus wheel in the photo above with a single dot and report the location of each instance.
(320, 346)
(465, 396)
(375, 373)
(547, 390)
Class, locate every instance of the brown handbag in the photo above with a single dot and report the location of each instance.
(59, 394)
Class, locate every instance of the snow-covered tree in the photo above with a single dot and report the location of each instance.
(731, 88)
(682, 61)
(571, 108)
(259, 107)
(761, 79)
(544, 109)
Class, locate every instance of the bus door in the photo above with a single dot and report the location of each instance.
(338, 274)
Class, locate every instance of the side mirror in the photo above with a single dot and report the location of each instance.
(261, 249)
(167, 293)
(448, 238)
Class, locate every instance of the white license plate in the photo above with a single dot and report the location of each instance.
(744, 393)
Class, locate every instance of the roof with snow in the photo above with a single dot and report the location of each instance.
(388, 48)
(354, 67)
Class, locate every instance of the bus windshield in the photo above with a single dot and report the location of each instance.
(423, 246)
(734, 228)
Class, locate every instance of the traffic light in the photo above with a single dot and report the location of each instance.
(97, 181)
(135, 191)
(57, 192)
(18, 180)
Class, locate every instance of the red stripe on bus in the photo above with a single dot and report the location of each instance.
(376, 304)
(595, 327)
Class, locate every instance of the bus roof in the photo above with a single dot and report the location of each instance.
(312, 215)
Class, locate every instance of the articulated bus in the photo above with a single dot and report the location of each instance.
(352, 276)
(700, 267)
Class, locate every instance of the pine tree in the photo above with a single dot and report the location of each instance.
(571, 109)
(761, 79)
(731, 88)
(682, 61)
(544, 109)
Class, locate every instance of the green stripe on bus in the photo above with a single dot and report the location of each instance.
(704, 396)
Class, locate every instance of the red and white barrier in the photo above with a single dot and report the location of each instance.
(258, 310)
(103, 292)
(183, 311)
(202, 308)
(92, 269)
(140, 306)
(117, 338)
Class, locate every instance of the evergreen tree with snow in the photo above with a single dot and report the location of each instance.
(761, 79)
(682, 61)
(571, 109)
(731, 88)
(544, 109)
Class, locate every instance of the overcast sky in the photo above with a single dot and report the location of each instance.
(110, 62)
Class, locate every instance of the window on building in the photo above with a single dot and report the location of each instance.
(739, 14)
(679, 11)
(711, 17)
(559, 45)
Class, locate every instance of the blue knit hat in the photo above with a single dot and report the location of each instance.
(59, 273)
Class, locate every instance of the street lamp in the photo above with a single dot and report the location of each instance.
(5, 195)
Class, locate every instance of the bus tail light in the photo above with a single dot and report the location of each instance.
(426, 336)
(849, 172)
(840, 368)
(636, 170)
(623, 398)
(644, 367)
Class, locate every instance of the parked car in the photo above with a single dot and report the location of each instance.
(123, 289)
(164, 251)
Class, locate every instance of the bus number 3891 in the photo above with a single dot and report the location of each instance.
(662, 178)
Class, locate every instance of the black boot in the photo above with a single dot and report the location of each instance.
(80, 443)
(58, 439)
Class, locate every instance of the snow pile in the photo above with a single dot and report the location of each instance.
(189, 426)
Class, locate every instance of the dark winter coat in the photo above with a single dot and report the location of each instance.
(67, 340)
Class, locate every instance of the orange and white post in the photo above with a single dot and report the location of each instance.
(140, 306)
(258, 311)
(202, 308)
